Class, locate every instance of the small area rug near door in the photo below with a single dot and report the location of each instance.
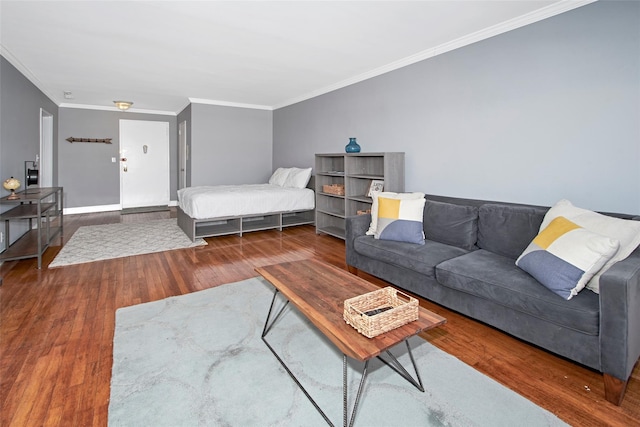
(198, 360)
(99, 242)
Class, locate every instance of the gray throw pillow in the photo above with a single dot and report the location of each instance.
(451, 224)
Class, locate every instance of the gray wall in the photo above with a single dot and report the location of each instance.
(230, 145)
(544, 112)
(20, 104)
(85, 170)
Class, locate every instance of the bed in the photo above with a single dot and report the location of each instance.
(286, 200)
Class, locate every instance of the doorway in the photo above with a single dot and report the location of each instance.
(45, 163)
(183, 154)
(144, 163)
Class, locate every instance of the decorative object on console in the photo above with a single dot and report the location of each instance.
(123, 105)
(100, 140)
(352, 146)
(30, 174)
(12, 185)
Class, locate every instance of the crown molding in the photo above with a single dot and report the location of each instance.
(512, 24)
(26, 72)
(503, 27)
(229, 104)
(103, 108)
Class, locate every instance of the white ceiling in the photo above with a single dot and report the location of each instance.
(266, 54)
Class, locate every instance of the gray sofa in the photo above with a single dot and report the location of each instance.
(467, 264)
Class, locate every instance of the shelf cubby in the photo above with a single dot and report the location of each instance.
(355, 171)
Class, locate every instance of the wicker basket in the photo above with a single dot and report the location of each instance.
(337, 189)
(357, 311)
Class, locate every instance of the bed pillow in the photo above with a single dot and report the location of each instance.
(298, 178)
(389, 195)
(625, 231)
(279, 176)
(400, 220)
(564, 256)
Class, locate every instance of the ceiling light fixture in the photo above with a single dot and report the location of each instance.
(123, 105)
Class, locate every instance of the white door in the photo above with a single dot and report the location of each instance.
(144, 163)
(46, 150)
(182, 155)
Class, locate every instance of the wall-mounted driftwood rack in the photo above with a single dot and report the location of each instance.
(100, 140)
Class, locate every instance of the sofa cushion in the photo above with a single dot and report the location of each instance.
(455, 225)
(507, 230)
(564, 256)
(497, 278)
(420, 258)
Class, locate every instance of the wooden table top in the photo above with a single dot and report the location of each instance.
(319, 290)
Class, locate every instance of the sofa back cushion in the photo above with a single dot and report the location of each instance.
(507, 229)
(451, 224)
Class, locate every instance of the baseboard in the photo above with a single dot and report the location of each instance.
(91, 209)
(101, 208)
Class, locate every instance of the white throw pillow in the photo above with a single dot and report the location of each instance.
(388, 195)
(279, 176)
(626, 231)
(565, 256)
(298, 178)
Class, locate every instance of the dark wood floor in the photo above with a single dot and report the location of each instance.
(56, 328)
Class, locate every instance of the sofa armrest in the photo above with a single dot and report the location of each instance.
(620, 317)
(356, 226)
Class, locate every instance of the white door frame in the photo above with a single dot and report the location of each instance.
(45, 162)
(183, 155)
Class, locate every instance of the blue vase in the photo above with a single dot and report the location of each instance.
(352, 146)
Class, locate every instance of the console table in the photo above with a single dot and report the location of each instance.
(44, 205)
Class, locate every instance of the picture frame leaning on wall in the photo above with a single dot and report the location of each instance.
(376, 186)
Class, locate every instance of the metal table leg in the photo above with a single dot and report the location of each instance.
(393, 363)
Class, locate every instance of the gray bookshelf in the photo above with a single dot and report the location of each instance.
(356, 172)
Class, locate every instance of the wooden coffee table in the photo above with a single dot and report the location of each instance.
(318, 291)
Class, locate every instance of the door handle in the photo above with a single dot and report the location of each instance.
(124, 159)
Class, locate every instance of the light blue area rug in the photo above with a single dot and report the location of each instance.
(198, 360)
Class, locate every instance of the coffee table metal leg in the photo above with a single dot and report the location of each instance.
(393, 364)
(345, 414)
(267, 325)
(397, 366)
(265, 331)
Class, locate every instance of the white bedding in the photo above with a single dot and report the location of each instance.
(250, 199)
